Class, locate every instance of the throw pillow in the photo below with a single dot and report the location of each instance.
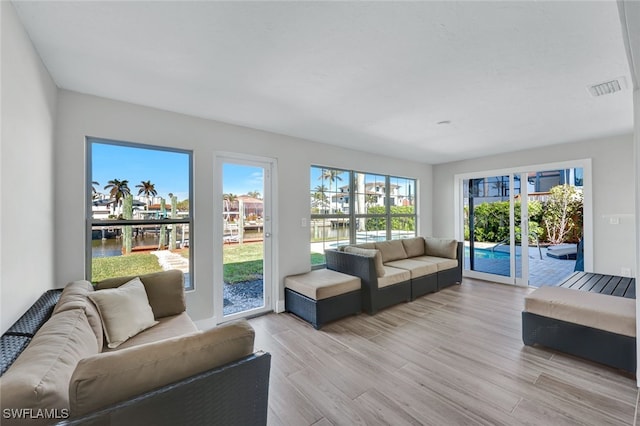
(377, 257)
(124, 311)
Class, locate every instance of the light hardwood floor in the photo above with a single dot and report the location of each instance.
(450, 358)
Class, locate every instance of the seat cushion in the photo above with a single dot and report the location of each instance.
(441, 263)
(415, 267)
(441, 247)
(601, 311)
(322, 283)
(166, 328)
(414, 246)
(391, 250)
(393, 276)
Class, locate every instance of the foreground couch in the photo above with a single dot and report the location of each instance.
(103, 357)
(399, 270)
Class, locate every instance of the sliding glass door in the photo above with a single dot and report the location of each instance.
(490, 226)
(523, 226)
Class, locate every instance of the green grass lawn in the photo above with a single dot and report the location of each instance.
(317, 259)
(121, 266)
(242, 262)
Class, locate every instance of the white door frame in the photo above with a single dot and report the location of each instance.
(270, 228)
(587, 191)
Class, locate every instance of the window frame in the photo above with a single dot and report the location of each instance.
(90, 222)
(352, 216)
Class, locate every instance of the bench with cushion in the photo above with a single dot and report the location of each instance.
(322, 296)
(594, 326)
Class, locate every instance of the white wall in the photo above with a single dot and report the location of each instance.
(613, 192)
(26, 175)
(82, 115)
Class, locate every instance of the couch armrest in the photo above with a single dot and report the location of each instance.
(236, 393)
(359, 266)
(110, 377)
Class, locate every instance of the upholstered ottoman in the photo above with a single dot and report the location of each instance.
(322, 295)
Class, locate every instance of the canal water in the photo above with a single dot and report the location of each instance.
(113, 246)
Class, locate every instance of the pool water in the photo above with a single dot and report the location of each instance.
(486, 254)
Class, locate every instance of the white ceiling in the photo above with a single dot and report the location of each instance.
(373, 76)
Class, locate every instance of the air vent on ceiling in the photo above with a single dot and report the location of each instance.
(607, 87)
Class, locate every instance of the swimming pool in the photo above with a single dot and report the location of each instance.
(479, 253)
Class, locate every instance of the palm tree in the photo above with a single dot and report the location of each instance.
(331, 175)
(319, 193)
(254, 194)
(94, 193)
(229, 199)
(371, 199)
(148, 189)
(117, 190)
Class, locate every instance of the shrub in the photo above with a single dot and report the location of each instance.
(397, 223)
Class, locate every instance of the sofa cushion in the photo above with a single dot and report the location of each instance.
(165, 291)
(602, 311)
(110, 377)
(393, 276)
(377, 257)
(124, 311)
(415, 267)
(322, 283)
(391, 250)
(441, 247)
(441, 263)
(39, 378)
(75, 296)
(167, 327)
(365, 245)
(413, 246)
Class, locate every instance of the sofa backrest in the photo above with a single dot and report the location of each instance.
(39, 378)
(414, 246)
(98, 380)
(74, 296)
(391, 250)
(441, 247)
(165, 291)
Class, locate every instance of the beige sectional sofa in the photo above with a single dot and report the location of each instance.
(399, 270)
(105, 357)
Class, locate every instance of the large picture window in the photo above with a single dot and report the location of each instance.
(138, 210)
(349, 207)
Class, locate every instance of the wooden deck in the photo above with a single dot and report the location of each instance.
(599, 283)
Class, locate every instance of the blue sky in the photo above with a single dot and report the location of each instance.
(168, 170)
(239, 179)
